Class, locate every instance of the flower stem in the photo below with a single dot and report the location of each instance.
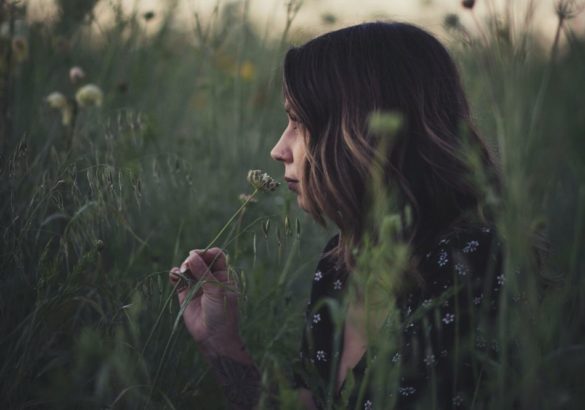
(231, 220)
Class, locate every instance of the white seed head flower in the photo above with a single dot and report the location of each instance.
(56, 100)
(261, 181)
(88, 95)
(76, 74)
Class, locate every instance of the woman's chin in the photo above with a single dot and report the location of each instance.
(300, 202)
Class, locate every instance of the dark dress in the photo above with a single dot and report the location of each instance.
(462, 274)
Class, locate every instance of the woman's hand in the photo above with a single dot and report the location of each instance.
(211, 316)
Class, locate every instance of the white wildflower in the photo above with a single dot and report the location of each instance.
(448, 318)
(56, 100)
(88, 95)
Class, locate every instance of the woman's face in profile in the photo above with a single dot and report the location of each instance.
(290, 150)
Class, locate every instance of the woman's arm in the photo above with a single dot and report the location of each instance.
(211, 317)
(235, 371)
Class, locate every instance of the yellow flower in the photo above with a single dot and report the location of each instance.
(88, 95)
(247, 71)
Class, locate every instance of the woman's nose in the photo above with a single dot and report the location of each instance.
(280, 152)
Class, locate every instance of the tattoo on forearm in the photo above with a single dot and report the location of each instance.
(241, 382)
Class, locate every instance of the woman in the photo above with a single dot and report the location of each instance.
(332, 157)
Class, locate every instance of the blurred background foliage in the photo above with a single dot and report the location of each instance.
(98, 205)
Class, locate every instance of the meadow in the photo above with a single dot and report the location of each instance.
(105, 187)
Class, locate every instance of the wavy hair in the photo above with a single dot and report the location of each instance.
(333, 84)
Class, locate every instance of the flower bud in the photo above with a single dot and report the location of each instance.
(88, 95)
(468, 4)
(20, 49)
(76, 74)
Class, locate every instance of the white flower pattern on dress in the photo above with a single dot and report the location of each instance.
(406, 391)
(466, 271)
(457, 400)
(443, 258)
(430, 359)
(471, 246)
(448, 318)
(461, 269)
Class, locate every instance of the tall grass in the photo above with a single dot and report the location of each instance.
(95, 213)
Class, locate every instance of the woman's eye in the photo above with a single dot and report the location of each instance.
(293, 122)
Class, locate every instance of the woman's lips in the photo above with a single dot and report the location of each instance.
(292, 184)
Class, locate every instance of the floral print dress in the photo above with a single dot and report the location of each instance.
(453, 313)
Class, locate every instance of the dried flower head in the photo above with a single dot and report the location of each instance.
(76, 74)
(468, 4)
(88, 95)
(20, 48)
(261, 181)
(56, 100)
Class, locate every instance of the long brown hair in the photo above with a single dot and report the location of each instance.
(334, 82)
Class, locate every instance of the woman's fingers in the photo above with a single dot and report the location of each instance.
(175, 277)
(194, 266)
(209, 266)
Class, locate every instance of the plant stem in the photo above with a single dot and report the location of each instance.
(228, 223)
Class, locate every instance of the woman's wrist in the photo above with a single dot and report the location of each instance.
(232, 347)
(235, 371)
